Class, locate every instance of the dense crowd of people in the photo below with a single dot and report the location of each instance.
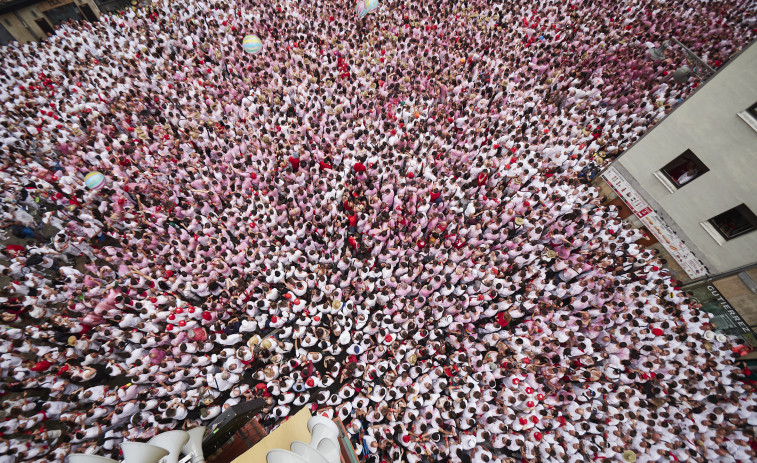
(387, 220)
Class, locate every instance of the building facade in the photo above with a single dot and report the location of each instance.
(691, 182)
(29, 20)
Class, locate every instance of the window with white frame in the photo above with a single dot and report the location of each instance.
(683, 169)
(734, 222)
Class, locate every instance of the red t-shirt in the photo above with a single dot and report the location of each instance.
(14, 248)
(358, 167)
(482, 179)
(435, 196)
(42, 365)
(295, 163)
(353, 220)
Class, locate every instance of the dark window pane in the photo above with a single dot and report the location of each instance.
(752, 110)
(684, 169)
(735, 222)
(63, 13)
(5, 36)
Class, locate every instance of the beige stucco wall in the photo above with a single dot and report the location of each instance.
(30, 14)
(17, 29)
(294, 429)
